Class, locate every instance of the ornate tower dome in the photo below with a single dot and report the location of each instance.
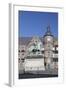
(48, 32)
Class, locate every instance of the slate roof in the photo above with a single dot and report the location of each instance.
(26, 40)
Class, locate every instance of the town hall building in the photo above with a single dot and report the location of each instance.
(36, 54)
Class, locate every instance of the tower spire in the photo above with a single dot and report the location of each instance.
(48, 28)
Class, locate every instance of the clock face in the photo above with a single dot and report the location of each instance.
(48, 39)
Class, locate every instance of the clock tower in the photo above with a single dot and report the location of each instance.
(48, 46)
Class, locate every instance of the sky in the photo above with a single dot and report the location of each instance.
(33, 23)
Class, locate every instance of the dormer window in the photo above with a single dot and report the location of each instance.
(19, 50)
(22, 50)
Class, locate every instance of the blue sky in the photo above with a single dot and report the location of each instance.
(33, 23)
